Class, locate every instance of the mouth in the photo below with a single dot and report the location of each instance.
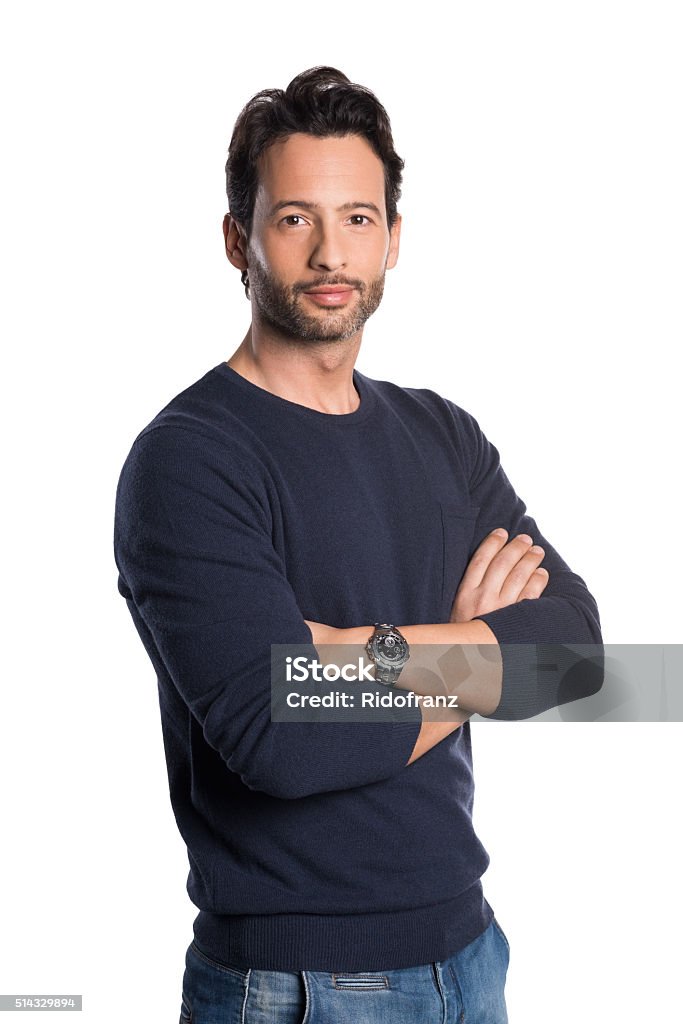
(330, 295)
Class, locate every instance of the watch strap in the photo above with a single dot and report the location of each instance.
(385, 675)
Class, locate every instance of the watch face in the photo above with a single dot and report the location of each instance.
(390, 649)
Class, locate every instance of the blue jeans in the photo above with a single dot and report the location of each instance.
(467, 987)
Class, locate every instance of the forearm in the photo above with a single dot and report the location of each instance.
(456, 660)
(451, 658)
(461, 659)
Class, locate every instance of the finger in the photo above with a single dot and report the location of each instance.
(520, 574)
(481, 559)
(536, 585)
(504, 562)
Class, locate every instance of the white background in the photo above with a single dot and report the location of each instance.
(539, 286)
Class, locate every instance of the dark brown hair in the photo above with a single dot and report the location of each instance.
(322, 102)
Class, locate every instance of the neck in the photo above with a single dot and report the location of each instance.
(317, 375)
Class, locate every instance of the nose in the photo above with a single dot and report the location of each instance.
(328, 253)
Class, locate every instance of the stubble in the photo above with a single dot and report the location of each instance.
(282, 306)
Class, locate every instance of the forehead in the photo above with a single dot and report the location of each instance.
(335, 168)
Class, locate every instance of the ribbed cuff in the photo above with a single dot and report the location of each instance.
(543, 675)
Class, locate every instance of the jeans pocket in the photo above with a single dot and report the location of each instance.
(216, 964)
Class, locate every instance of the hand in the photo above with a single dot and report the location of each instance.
(499, 574)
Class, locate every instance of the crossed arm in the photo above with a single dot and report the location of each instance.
(500, 573)
(209, 595)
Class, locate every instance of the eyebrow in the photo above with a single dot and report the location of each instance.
(316, 206)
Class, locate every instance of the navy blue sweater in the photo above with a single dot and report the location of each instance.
(312, 845)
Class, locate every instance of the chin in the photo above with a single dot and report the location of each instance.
(325, 328)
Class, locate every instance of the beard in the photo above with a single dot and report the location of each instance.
(280, 306)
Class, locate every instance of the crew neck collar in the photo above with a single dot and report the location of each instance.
(284, 404)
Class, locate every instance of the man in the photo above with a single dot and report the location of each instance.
(285, 498)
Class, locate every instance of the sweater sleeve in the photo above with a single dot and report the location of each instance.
(551, 646)
(198, 567)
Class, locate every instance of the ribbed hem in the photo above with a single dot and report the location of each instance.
(346, 942)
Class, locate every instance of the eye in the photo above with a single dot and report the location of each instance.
(293, 220)
(357, 218)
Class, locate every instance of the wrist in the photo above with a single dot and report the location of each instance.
(355, 635)
(323, 634)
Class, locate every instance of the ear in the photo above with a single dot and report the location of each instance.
(235, 242)
(394, 239)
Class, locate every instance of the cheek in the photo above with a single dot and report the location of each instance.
(380, 251)
(282, 254)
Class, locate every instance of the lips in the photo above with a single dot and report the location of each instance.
(330, 295)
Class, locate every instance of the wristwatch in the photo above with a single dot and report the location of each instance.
(389, 650)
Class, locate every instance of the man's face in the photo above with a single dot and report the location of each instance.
(320, 222)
